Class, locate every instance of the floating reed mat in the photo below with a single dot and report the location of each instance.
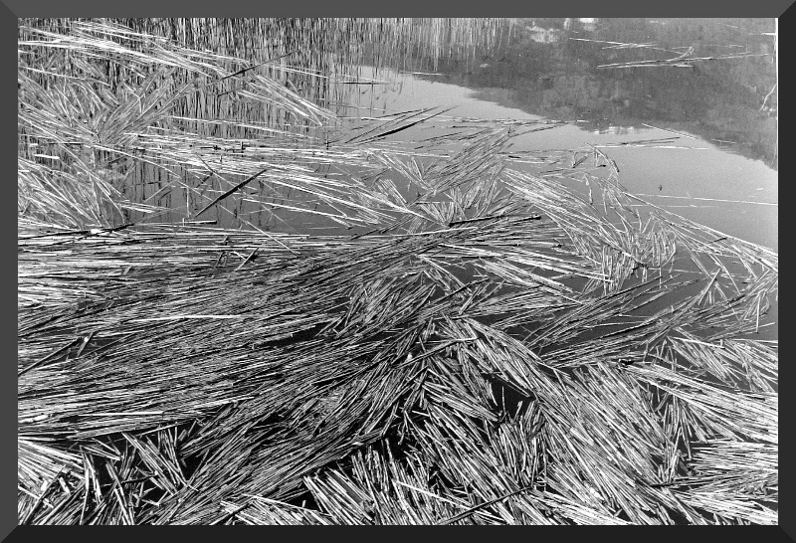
(485, 346)
(476, 373)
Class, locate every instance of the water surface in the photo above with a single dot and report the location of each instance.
(696, 137)
(717, 165)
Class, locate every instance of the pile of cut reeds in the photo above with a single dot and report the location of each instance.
(487, 344)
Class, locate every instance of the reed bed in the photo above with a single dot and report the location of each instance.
(494, 338)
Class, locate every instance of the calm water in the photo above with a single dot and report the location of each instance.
(718, 165)
(690, 175)
(714, 121)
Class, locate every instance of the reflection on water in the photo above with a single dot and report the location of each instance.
(678, 171)
(543, 35)
(714, 121)
(547, 67)
(550, 67)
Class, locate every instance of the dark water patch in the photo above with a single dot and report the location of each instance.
(560, 79)
(509, 399)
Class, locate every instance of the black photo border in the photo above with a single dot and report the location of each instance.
(14, 9)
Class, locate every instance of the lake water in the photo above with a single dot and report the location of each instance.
(716, 162)
(696, 137)
(686, 174)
